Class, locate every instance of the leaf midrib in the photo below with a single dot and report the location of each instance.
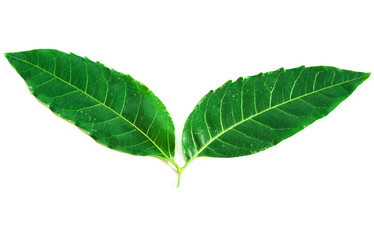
(101, 103)
(259, 113)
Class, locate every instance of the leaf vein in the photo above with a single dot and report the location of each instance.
(110, 109)
(251, 117)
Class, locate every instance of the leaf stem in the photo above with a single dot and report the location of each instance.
(174, 163)
(180, 170)
(186, 164)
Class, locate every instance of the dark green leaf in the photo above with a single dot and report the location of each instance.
(255, 113)
(113, 108)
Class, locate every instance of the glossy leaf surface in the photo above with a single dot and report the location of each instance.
(257, 112)
(113, 108)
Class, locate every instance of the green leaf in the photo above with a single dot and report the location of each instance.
(113, 108)
(252, 114)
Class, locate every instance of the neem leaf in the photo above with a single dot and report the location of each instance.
(252, 114)
(113, 108)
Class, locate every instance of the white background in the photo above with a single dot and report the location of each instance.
(57, 183)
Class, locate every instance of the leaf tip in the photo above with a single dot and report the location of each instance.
(7, 55)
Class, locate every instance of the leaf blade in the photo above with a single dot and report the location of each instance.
(259, 111)
(99, 100)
